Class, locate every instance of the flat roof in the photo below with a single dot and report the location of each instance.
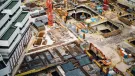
(21, 17)
(11, 5)
(84, 61)
(67, 66)
(38, 24)
(9, 32)
(80, 56)
(75, 72)
(2, 15)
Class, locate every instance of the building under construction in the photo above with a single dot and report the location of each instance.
(67, 38)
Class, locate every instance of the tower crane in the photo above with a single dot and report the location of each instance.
(49, 12)
(106, 2)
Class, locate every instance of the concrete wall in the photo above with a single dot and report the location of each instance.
(130, 4)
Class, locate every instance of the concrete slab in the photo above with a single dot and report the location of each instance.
(122, 67)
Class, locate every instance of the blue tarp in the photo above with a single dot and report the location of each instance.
(93, 19)
(99, 8)
(75, 72)
(83, 61)
(67, 66)
(80, 56)
(84, 30)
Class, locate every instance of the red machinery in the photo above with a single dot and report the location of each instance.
(105, 5)
(49, 12)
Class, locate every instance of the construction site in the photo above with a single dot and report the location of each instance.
(79, 38)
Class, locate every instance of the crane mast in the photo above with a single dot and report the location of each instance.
(49, 12)
(106, 3)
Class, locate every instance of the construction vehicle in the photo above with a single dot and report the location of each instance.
(106, 62)
(98, 57)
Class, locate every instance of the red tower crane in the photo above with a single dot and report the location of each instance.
(49, 12)
(106, 2)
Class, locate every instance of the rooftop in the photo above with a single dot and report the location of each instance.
(38, 24)
(11, 5)
(21, 17)
(84, 61)
(67, 66)
(9, 32)
(75, 72)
